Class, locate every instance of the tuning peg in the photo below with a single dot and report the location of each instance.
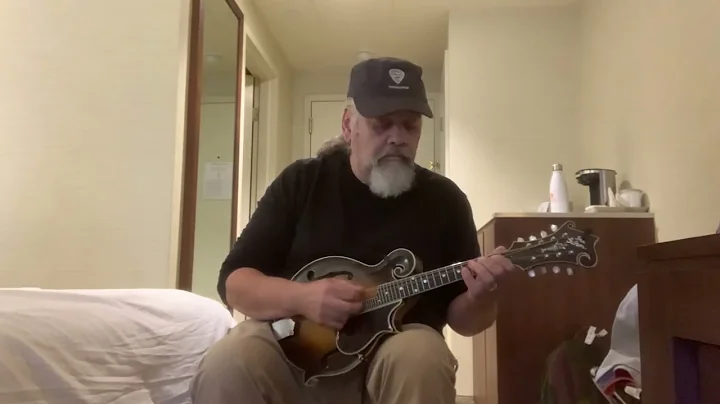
(570, 271)
(556, 269)
(553, 227)
(543, 270)
(543, 234)
(532, 238)
(520, 239)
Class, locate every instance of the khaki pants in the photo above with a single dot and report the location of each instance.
(247, 367)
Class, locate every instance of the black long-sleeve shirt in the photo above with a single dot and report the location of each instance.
(317, 207)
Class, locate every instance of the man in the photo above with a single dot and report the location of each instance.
(360, 200)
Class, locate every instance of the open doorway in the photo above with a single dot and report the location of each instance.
(260, 96)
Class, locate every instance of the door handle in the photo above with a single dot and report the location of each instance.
(434, 165)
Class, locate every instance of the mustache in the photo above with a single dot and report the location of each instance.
(394, 153)
(402, 157)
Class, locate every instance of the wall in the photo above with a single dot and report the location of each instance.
(512, 92)
(91, 129)
(626, 85)
(650, 105)
(331, 82)
(91, 124)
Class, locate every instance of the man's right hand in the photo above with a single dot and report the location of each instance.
(331, 301)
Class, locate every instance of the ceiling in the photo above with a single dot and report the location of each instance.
(328, 34)
(325, 34)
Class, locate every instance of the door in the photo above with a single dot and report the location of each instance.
(324, 122)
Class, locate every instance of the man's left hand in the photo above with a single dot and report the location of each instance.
(482, 274)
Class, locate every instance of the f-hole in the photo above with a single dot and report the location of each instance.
(312, 275)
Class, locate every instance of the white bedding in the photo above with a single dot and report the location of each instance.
(104, 346)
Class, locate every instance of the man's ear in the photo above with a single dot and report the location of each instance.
(347, 125)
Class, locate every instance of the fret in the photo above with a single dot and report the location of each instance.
(389, 294)
(415, 284)
(394, 291)
(437, 279)
(423, 282)
(403, 288)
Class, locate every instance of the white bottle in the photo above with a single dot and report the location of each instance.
(558, 191)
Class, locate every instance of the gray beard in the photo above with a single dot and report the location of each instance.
(390, 178)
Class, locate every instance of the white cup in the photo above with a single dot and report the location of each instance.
(632, 197)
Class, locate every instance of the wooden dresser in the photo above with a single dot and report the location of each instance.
(679, 318)
(536, 314)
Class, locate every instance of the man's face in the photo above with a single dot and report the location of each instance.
(384, 149)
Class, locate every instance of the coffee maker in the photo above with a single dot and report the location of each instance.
(598, 180)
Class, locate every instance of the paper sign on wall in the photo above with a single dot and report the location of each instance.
(217, 181)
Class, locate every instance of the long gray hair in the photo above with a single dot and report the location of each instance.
(338, 143)
(333, 145)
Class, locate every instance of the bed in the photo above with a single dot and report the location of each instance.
(104, 346)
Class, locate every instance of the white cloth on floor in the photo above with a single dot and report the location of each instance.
(624, 351)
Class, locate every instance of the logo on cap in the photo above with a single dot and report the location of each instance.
(397, 75)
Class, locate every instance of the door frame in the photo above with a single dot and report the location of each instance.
(255, 150)
(188, 202)
(438, 119)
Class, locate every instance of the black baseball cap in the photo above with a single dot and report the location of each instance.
(380, 86)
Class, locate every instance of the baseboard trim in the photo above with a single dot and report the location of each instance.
(464, 400)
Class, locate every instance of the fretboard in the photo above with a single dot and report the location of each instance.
(390, 292)
(413, 285)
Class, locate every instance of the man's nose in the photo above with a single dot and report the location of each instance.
(397, 135)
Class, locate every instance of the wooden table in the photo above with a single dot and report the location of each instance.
(537, 314)
(679, 316)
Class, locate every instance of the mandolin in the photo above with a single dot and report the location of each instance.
(393, 285)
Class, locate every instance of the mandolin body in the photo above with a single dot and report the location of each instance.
(318, 351)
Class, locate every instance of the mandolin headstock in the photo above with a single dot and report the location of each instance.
(560, 250)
